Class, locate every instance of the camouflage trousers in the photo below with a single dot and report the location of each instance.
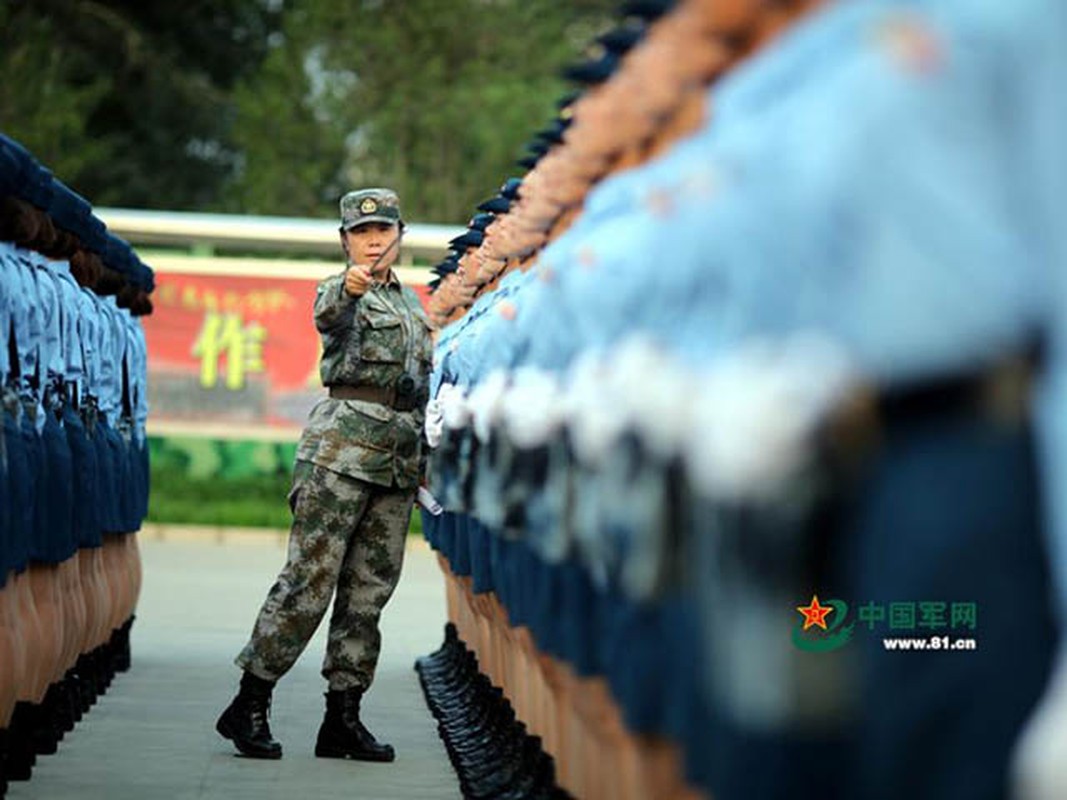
(347, 538)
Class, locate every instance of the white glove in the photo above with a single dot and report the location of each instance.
(455, 411)
(655, 395)
(435, 415)
(532, 407)
(592, 409)
(485, 403)
(1039, 762)
(757, 410)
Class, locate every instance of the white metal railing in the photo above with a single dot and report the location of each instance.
(278, 268)
(141, 227)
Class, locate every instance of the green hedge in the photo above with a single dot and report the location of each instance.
(255, 501)
(208, 482)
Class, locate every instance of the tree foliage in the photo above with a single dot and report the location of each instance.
(265, 106)
(40, 103)
(433, 99)
(130, 102)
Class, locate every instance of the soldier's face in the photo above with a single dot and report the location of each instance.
(366, 243)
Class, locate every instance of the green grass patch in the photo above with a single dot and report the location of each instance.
(251, 501)
(255, 501)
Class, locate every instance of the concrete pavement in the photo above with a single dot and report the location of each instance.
(152, 735)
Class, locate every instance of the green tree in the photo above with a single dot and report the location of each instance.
(277, 106)
(130, 102)
(434, 99)
(39, 105)
(291, 153)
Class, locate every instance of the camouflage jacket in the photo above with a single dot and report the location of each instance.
(369, 341)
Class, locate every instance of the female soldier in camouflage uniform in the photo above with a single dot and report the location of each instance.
(354, 482)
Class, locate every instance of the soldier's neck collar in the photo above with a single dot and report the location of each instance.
(391, 279)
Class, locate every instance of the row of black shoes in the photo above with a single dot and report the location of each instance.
(36, 729)
(493, 755)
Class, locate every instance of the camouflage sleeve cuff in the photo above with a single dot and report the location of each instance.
(333, 305)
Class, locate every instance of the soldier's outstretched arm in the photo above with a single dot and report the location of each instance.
(333, 305)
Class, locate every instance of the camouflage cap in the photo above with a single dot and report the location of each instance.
(369, 205)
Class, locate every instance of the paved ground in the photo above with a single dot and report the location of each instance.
(153, 735)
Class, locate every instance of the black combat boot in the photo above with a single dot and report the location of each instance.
(120, 646)
(18, 766)
(3, 762)
(244, 722)
(342, 735)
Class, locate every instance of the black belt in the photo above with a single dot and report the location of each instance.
(368, 394)
(1000, 396)
(381, 395)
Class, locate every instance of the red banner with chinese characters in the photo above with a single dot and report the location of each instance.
(229, 353)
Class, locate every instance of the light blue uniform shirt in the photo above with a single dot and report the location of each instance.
(785, 214)
(489, 339)
(457, 356)
(73, 367)
(113, 350)
(139, 376)
(8, 288)
(24, 311)
(50, 341)
(89, 320)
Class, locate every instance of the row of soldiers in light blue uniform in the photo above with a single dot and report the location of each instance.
(80, 367)
(71, 358)
(74, 466)
(801, 353)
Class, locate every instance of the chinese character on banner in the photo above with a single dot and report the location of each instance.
(226, 336)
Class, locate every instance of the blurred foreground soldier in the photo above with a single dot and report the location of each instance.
(357, 468)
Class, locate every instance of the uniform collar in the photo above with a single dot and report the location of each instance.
(391, 281)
